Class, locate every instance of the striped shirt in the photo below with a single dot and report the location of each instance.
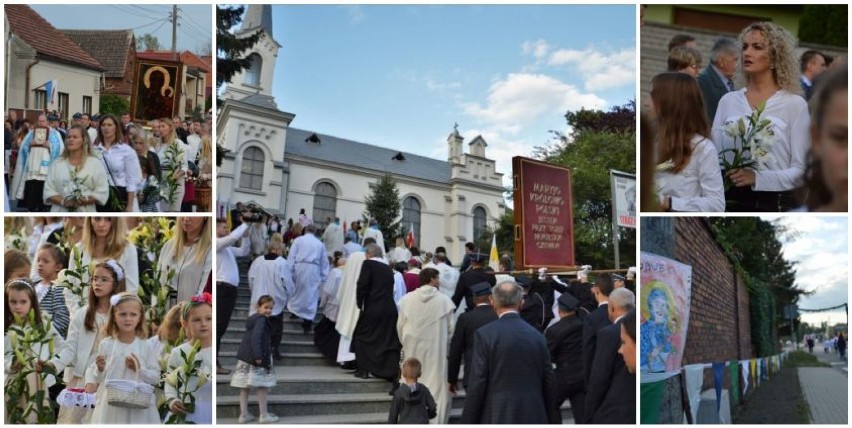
(53, 302)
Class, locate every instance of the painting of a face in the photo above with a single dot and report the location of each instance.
(659, 310)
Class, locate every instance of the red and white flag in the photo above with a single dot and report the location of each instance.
(409, 240)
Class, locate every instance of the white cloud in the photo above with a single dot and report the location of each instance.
(522, 98)
(599, 69)
(537, 49)
(355, 12)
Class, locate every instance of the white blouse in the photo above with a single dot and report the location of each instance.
(91, 181)
(121, 165)
(698, 187)
(788, 113)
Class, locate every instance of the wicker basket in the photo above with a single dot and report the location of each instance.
(130, 394)
(203, 197)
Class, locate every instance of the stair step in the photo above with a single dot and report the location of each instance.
(311, 380)
(229, 359)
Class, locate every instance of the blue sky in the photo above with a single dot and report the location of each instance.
(822, 252)
(194, 30)
(401, 76)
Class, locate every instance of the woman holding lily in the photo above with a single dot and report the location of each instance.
(761, 130)
(76, 181)
(688, 176)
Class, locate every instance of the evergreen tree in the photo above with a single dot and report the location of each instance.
(384, 206)
(230, 47)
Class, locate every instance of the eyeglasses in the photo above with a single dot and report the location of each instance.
(101, 279)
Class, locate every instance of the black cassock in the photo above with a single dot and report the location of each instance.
(565, 342)
(375, 341)
(462, 342)
(611, 391)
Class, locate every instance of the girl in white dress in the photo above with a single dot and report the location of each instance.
(197, 321)
(689, 178)
(85, 335)
(20, 298)
(105, 238)
(126, 355)
(770, 69)
(77, 180)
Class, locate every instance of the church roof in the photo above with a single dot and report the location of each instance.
(365, 156)
(262, 101)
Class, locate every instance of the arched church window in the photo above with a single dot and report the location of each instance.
(479, 222)
(251, 174)
(253, 72)
(411, 215)
(325, 203)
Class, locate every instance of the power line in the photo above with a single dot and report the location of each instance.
(150, 23)
(132, 12)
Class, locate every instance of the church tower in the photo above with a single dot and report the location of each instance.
(257, 79)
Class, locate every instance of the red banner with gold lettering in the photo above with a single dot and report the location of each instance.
(544, 221)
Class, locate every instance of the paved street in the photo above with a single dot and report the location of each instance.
(833, 359)
(825, 390)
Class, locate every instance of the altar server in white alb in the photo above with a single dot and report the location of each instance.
(333, 235)
(374, 232)
(308, 262)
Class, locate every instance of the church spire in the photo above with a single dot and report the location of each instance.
(258, 17)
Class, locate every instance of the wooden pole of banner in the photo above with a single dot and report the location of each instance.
(614, 219)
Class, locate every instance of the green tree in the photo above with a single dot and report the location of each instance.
(113, 104)
(826, 24)
(600, 141)
(504, 228)
(148, 42)
(230, 46)
(383, 205)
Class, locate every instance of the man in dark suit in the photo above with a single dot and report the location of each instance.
(474, 275)
(466, 327)
(565, 342)
(511, 378)
(812, 65)
(611, 391)
(596, 320)
(717, 79)
(533, 309)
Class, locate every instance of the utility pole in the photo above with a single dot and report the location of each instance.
(174, 29)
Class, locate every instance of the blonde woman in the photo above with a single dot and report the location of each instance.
(105, 238)
(77, 181)
(173, 161)
(769, 69)
(188, 253)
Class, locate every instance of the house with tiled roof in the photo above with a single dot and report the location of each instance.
(195, 73)
(116, 51)
(284, 169)
(37, 53)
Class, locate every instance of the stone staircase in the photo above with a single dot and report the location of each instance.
(310, 390)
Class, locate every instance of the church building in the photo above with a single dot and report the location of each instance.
(282, 168)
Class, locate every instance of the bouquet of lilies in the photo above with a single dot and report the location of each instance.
(26, 399)
(150, 236)
(187, 378)
(753, 138)
(174, 159)
(75, 189)
(75, 280)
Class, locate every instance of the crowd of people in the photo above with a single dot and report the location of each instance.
(106, 164)
(526, 344)
(93, 303)
(758, 129)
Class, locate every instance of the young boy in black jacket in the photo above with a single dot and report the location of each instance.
(412, 401)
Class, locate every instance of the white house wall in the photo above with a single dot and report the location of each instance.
(74, 81)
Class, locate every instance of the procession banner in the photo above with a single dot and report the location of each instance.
(544, 222)
(624, 198)
(666, 287)
(156, 90)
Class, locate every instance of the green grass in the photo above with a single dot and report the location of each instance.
(804, 359)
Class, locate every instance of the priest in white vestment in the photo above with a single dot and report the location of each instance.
(425, 326)
(374, 232)
(333, 236)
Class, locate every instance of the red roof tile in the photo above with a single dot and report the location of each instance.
(193, 60)
(158, 56)
(110, 47)
(48, 42)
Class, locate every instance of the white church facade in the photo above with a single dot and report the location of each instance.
(285, 169)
